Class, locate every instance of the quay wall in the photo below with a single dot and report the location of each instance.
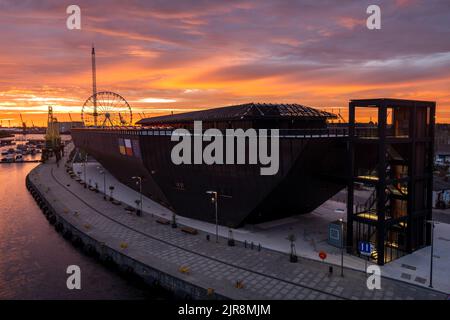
(111, 257)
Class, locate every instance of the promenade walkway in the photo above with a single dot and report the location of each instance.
(310, 230)
(264, 274)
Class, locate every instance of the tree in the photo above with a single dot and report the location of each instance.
(174, 221)
(293, 255)
(138, 211)
(111, 189)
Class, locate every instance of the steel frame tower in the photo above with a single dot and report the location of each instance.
(52, 137)
(94, 86)
(400, 172)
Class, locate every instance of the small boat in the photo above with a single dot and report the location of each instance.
(4, 153)
(9, 158)
(5, 142)
(19, 158)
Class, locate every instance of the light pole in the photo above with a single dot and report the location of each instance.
(431, 222)
(84, 167)
(214, 200)
(342, 246)
(140, 190)
(104, 182)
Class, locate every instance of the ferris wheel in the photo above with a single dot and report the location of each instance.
(106, 109)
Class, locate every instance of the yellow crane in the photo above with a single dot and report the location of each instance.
(24, 125)
(52, 137)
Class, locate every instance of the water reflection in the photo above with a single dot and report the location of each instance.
(34, 258)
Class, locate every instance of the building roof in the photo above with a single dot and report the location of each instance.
(392, 102)
(249, 111)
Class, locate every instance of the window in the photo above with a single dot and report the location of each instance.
(179, 186)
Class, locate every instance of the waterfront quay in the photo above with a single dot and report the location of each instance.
(190, 265)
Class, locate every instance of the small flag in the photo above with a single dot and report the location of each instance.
(128, 147)
(136, 148)
(122, 147)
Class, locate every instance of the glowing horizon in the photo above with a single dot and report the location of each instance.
(191, 55)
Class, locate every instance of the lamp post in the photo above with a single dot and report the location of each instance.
(104, 182)
(84, 167)
(431, 222)
(215, 196)
(139, 180)
(214, 200)
(342, 246)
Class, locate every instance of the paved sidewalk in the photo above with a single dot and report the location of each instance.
(265, 274)
(311, 235)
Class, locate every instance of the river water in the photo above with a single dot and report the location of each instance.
(34, 257)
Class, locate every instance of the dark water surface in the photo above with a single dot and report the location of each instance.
(34, 257)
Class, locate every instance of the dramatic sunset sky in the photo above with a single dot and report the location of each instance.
(170, 55)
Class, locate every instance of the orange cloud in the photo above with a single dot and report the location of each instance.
(175, 56)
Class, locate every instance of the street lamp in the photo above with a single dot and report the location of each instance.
(140, 191)
(431, 222)
(214, 200)
(104, 182)
(342, 246)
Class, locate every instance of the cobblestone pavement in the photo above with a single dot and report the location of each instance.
(264, 274)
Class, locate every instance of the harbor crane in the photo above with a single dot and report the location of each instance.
(24, 125)
(340, 116)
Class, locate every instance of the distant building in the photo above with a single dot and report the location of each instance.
(441, 192)
(442, 143)
(65, 127)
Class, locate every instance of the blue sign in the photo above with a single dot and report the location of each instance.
(334, 235)
(365, 248)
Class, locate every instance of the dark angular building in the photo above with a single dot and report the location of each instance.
(310, 154)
